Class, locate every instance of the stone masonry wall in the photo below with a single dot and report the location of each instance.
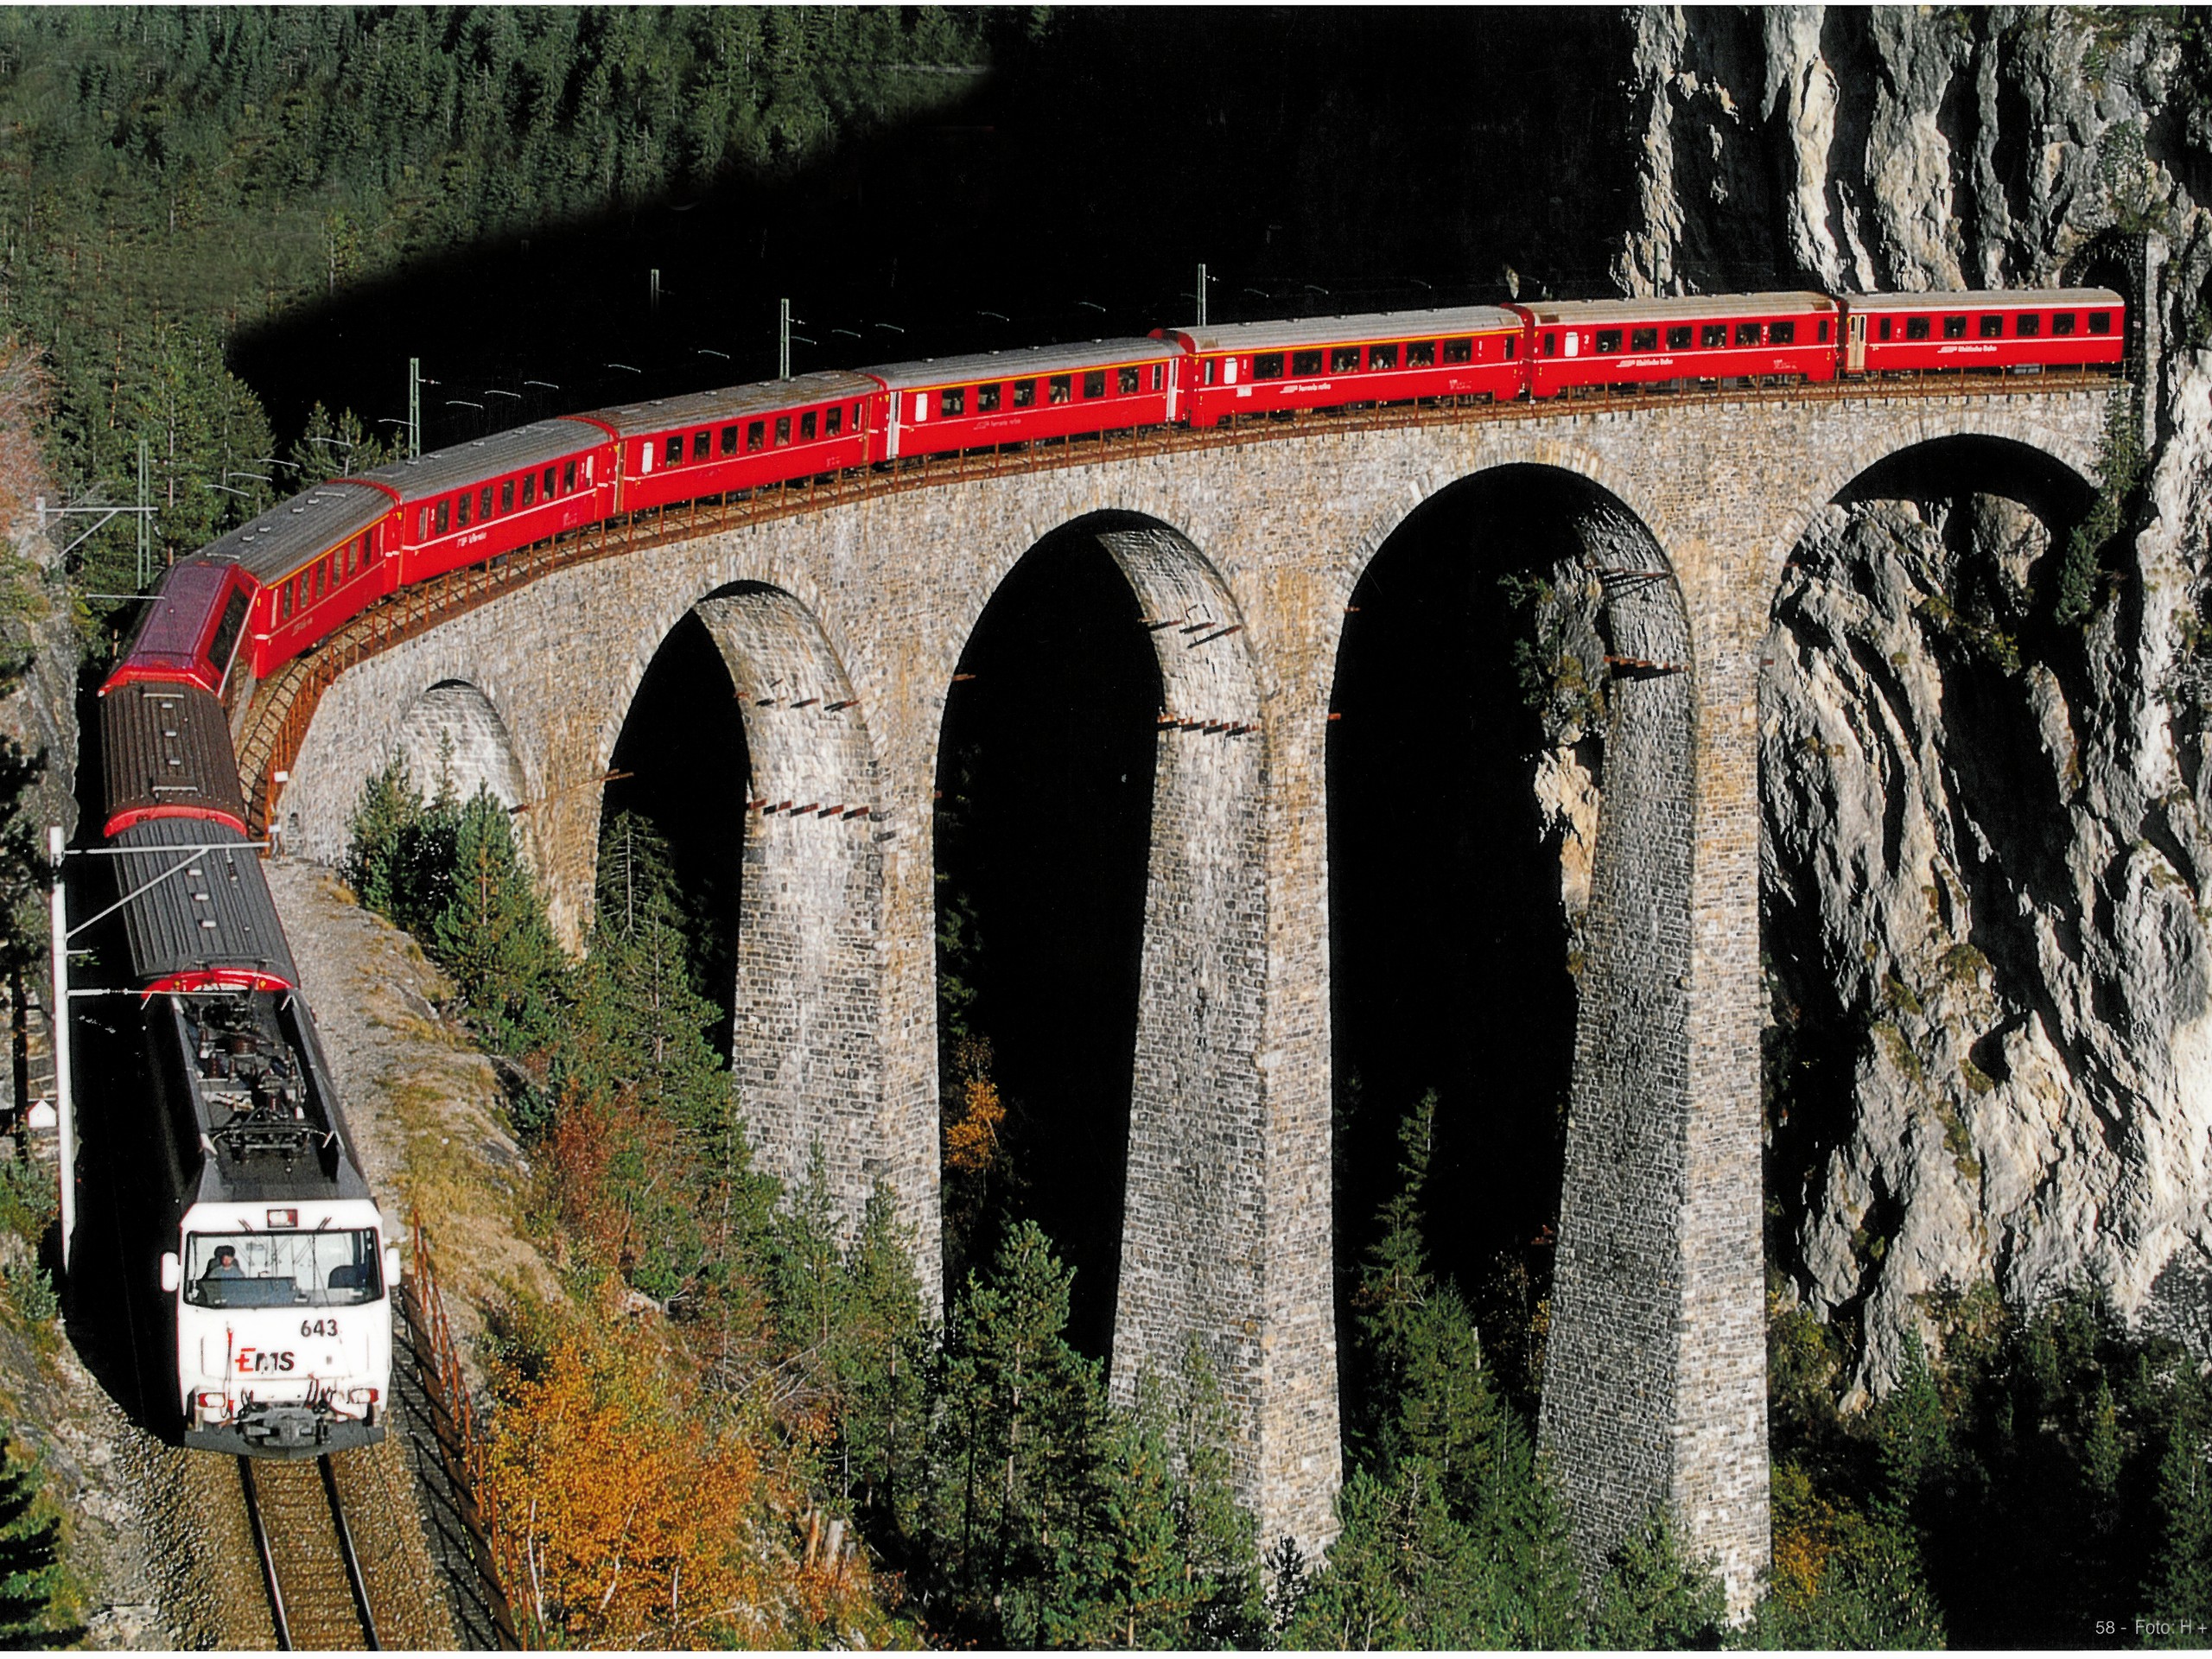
(1723, 489)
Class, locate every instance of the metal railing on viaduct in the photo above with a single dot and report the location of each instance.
(841, 605)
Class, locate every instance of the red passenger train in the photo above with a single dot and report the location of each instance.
(272, 588)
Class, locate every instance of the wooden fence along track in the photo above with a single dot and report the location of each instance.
(446, 1446)
(317, 1596)
(284, 705)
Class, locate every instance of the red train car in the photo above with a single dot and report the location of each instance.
(2000, 329)
(191, 627)
(943, 404)
(469, 503)
(1257, 368)
(739, 437)
(1587, 343)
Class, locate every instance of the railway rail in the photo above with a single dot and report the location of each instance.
(318, 1598)
(283, 707)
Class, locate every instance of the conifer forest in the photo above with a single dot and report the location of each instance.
(224, 234)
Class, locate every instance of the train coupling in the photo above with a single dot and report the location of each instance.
(282, 1428)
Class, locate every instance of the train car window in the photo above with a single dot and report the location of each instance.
(484, 503)
(1915, 327)
(1551, 345)
(1824, 331)
(1463, 350)
(1343, 359)
(2028, 326)
(1094, 383)
(443, 517)
(1747, 333)
(545, 484)
(1058, 388)
(673, 450)
(1712, 334)
(1512, 346)
(1609, 340)
(1159, 375)
(1267, 365)
(321, 569)
(756, 433)
(833, 421)
(507, 495)
(529, 488)
(729, 441)
(953, 400)
(285, 602)
(806, 427)
(856, 418)
(1782, 333)
(1213, 370)
(1643, 340)
(1992, 325)
(1025, 393)
(783, 431)
(703, 444)
(1128, 381)
(421, 523)
(2101, 322)
(1955, 327)
(1420, 354)
(1678, 339)
(460, 505)
(568, 477)
(2062, 322)
(1307, 362)
(987, 399)
(1383, 357)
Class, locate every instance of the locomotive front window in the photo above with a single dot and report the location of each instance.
(1058, 389)
(2101, 322)
(783, 431)
(1643, 340)
(756, 433)
(833, 421)
(1127, 381)
(443, 517)
(2062, 322)
(329, 1268)
(1608, 339)
(1915, 327)
(703, 445)
(1420, 354)
(1094, 382)
(1383, 357)
(1782, 333)
(1025, 393)
(1713, 334)
(953, 400)
(1678, 338)
(1747, 333)
(672, 453)
(987, 399)
(806, 427)
(1343, 359)
(507, 496)
(1992, 325)
(1461, 351)
(2028, 326)
(1267, 365)
(729, 440)
(529, 488)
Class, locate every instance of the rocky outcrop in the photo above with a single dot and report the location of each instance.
(1986, 850)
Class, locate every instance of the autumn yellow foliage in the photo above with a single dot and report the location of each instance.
(971, 1129)
(630, 1508)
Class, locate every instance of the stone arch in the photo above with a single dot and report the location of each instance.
(454, 740)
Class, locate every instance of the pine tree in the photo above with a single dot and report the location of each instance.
(491, 936)
(2178, 1586)
(30, 1565)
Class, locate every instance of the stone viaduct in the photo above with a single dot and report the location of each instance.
(842, 629)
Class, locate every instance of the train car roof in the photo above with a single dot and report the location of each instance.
(278, 541)
(1359, 326)
(1987, 299)
(201, 915)
(165, 751)
(1686, 308)
(1020, 361)
(511, 451)
(735, 403)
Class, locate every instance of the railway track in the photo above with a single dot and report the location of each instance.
(318, 1599)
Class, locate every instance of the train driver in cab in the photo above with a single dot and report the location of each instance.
(224, 1265)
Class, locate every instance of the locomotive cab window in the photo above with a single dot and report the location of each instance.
(1267, 365)
(674, 457)
(1420, 354)
(1955, 327)
(1094, 382)
(1678, 339)
(1306, 362)
(1025, 393)
(324, 1269)
(1383, 357)
(2027, 326)
(1782, 333)
(1713, 336)
(806, 427)
(1915, 328)
(1343, 359)
(2062, 322)
(1643, 340)
(729, 440)
(1747, 333)
(987, 399)
(756, 433)
(1060, 386)
(1992, 325)
(703, 444)
(1462, 351)
(1609, 340)
(2101, 322)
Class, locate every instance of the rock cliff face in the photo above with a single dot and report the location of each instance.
(1986, 848)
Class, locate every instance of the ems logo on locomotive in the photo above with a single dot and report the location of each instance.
(260, 1359)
